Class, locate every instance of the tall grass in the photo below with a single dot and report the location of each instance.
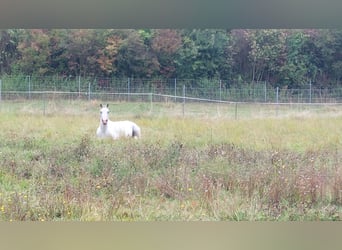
(197, 168)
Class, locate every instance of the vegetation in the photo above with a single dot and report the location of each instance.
(283, 58)
(52, 168)
(201, 161)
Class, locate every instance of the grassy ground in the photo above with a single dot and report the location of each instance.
(197, 167)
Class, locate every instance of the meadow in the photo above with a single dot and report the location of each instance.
(213, 163)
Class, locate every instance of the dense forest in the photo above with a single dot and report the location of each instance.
(282, 57)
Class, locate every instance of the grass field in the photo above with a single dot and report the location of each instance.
(217, 162)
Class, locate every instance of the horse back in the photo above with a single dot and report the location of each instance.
(126, 128)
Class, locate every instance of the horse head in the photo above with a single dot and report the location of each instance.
(104, 114)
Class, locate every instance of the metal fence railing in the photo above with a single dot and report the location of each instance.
(12, 87)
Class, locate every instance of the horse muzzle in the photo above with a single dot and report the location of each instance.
(104, 122)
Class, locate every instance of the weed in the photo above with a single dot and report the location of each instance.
(181, 169)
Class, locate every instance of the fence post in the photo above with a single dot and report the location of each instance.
(89, 90)
(128, 88)
(310, 95)
(29, 85)
(265, 91)
(44, 104)
(79, 86)
(183, 100)
(175, 89)
(220, 90)
(277, 100)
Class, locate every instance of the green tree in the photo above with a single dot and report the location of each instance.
(204, 54)
(329, 45)
(303, 58)
(165, 45)
(240, 49)
(58, 52)
(33, 48)
(135, 58)
(281, 57)
(8, 49)
(107, 55)
(186, 58)
(336, 66)
(81, 51)
(266, 54)
(211, 46)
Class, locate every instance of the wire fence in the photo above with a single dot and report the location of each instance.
(13, 87)
(182, 96)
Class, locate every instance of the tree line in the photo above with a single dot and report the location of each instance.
(282, 57)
